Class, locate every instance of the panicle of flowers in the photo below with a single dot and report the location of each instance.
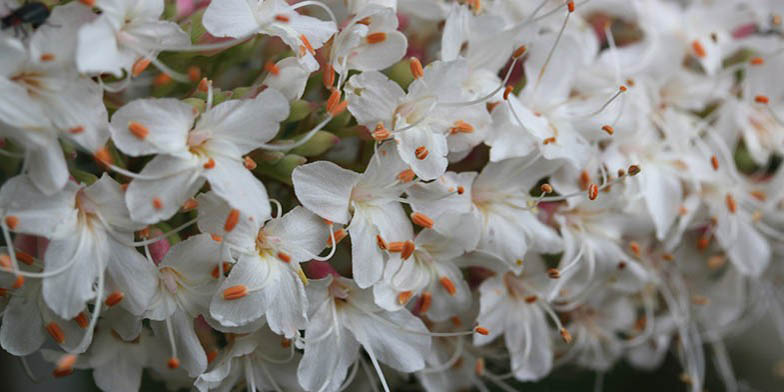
(273, 194)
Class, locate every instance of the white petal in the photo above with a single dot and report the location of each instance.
(22, 331)
(230, 18)
(191, 354)
(133, 275)
(97, 50)
(39, 214)
(121, 374)
(67, 293)
(180, 180)
(434, 163)
(47, 168)
(213, 214)
(368, 259)
(290, 80)
(373, 57)
(372, 97)
(325, 188)
(166, 120)
(233, 182)
(301, 233)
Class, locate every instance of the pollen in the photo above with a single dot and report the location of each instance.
(138, 130)
(381, 133)
(231, 220)
(376, 38)
(763, 99)
(272, 68)
(157, 203)
(408, 250)
(282, 18)
(76, 130)
(508, 90)
(404, 297)
(406, 176)
(64, 365)
(425, 301)
(81, 320)
(448, 285)
(235, 292)
(329, 76)
(284, 257)
(703, 242)
(421, 219)
(416, 68)
(11, 221)
(339, 236)
(593, 191)
(461, 127)
(757, 61)
(380, 242)
(139, 66)
(307, 44)
(173, 363)
(421, 152)
(210, 164)
(114, 298)
(46, 57)
(482, 331)
(732, 206)
(608, 129)
(55, 332)
(566, 336)
(698, 49)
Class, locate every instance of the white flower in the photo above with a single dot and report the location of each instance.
(188, 154)
(367, 202)
(125, 32)
(243, 18)
(344, 318)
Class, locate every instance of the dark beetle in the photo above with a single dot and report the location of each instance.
(34, 13)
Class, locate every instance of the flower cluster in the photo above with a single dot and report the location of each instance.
(465, 192)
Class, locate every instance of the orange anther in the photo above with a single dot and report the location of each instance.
(47, 57)
(339, 236)
(235, 292)
(282, 18)
(667, 256)
(508, 90)
(327, 221)
(173, 363)
(284, 257)
(635, 248)
(759, 195)
(5, 262)
(762, 99)
(609, 129)
(408, 250)
(272, 68)
(519, 52)
(285, 343)
(194, 73)
(455, 321)
(460, 190)
(623, 88)
(103, 156)
(462, 127)
(138, 130)
(549, 140)
(81, 320)
(491, 105)
(570, 6)
(406, 176)
(76, 130)
(394, 247)
(530, 299)
(157, 203)
(421, 219)
(714, 162)
(633, 170)
(404, 297)
(211, 356)
(329, 76)
(114, 298)
(593, 191)
(732, 206)
(139, 66)
(553, 273)
(190, 205)
(482, 331)
(425, 300)
(11, 221)
(217, 269)
(421, 152)
(448, 285)
(757, 61)
(161, 80)
(249, 163)
(216, 237)
(375, 38)
(566, 336)
(19, 282)
(210, 164)
(546, 188)
(703, 242)
(64, 365)
(381, 133)
(380, 242)
(88, 3)
(339, 108)
(307, 44)
(231, 220)
(365, 21)
(479, 367)
(698, 49)
(204, 85)
(416, 68)
(24, 257)
(55, 332)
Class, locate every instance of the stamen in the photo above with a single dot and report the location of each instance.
(406, 176)
(375, 38)
(546, 188)
(479, 367)
(425, 301)
(284, 257)
(55, 332)
(64, 365)
(416, 68)
(11, 221)
(422, 220)
(395, 247)
(460, 190)
(139, 66)
(157, 203)
(173, 363)
(307, 44)
(757, 61)
(76, 130)
(380, 133)
(282, 18)
(698, 49)
(339, 108)
(570, 6)
(203, 86)
(89, 3)
(732, 206)
(404, 297)
(272, 68)
(210, 164)
(235, 292)
(103, 156)
(249, 163)
(609, 129)
(762, 99)
(381, 243)
(593, 191)
(138, 130)
(717, 261)
(114, 298)
(635, 248)
(231, 220)
(714, 162)
(519, 52)
(421, 152)
(482, 331)
(408, 250)
(448, 285)
(531, 299)
(162, 79)
(462, 127)
(333, 100)
(759, 195)
(549, 140)
(46, 57)
(81, 320)
(24, 257)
